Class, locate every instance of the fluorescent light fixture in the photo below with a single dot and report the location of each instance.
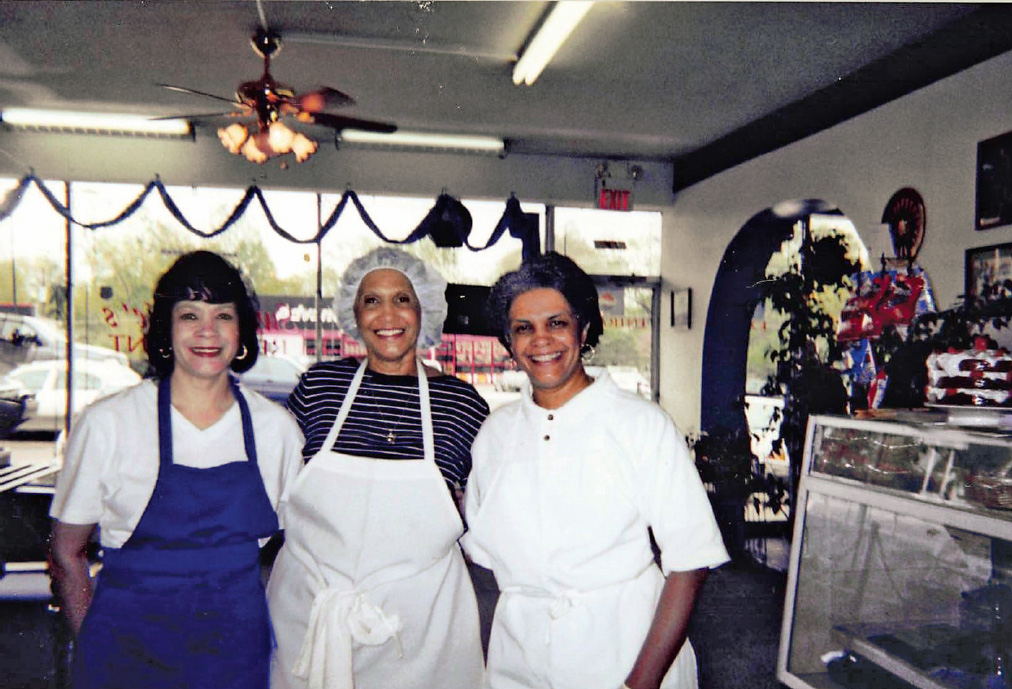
(426, 141)
(550, 36)
(62, 121)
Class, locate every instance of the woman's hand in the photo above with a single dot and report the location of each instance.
(668, 630)
(68, 562)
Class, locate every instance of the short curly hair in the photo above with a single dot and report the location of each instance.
(548, 271)
(200, 276)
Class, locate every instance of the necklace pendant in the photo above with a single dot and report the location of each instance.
(391, 437)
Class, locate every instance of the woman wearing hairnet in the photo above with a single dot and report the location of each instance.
(568, 483)
(370, 589)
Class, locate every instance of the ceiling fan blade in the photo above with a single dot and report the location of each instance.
(323, 98)
(183, 89)
(200, 116)
(339, 122)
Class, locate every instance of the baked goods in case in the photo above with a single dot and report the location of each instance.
(978, 377)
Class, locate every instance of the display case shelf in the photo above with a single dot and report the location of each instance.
(900, 573)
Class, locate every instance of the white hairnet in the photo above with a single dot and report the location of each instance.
(429, 286)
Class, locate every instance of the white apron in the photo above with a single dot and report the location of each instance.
(370, 590)
(546, 636)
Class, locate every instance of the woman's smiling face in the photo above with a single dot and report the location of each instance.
(205, 338)
(546, 339)
(389, 317)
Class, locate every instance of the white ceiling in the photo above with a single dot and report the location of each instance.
(705, 83)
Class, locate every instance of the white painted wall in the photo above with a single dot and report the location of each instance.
(927, 140)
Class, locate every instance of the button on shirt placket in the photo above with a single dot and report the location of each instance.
(548, 435)
(556, 461)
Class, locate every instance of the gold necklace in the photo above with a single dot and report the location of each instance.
(398, 421)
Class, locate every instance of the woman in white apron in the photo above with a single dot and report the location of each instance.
(568, 483)
(370, 589)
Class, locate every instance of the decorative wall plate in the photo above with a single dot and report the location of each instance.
(907, 218)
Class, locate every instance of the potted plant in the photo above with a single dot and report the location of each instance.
(734, 477)
(807, 354)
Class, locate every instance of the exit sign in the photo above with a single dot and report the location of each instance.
(612, 196)
(614, 199)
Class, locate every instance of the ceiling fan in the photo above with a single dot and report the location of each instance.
(267, 102)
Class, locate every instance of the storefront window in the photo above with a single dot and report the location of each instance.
(610, 242)
(623, 252)
(115, 267)
(33, 335)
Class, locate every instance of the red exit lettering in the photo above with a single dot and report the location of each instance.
(614, 199)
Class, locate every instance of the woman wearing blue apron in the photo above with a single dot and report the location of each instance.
(184, 491)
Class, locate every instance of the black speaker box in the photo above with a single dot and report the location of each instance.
(466, 310)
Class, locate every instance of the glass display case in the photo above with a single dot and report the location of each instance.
(901, 559)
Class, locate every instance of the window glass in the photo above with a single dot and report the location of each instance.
(33, 241)
(610, 242)
(33, 380)
(115, 268)
(397, 217)
(618, 244)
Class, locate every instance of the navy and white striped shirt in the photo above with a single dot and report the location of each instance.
(389, 404)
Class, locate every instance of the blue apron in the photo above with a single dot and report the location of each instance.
(181, 604)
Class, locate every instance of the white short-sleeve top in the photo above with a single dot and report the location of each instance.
(111, 460)
(599, 471)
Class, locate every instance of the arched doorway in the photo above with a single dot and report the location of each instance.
(732, 303)
(743, 328)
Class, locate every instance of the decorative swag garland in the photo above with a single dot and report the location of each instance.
(448, 223)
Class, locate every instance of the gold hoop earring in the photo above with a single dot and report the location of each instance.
(243, 353)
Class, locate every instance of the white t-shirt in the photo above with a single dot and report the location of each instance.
(111, 462)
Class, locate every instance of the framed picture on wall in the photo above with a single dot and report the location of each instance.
(681, 308)
(994, 182)
(988, 271)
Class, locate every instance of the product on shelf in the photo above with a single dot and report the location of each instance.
(886, 298)
(993, 489)
(977, 377)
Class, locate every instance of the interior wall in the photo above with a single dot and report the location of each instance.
(927, 140)
(545, 179)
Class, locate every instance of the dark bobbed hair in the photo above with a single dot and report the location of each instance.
(552, 271)
(200, 276)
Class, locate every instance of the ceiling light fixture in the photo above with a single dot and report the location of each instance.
(65, 121)
(550, 36)
(426, 141)
(275, 139)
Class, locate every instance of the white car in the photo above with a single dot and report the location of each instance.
(47, 381)
(627, 378)
(24, 339)
(274, 377)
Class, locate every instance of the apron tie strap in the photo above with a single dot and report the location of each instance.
(339, 617)
(563, 604)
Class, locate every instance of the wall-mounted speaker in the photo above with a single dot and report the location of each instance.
(466, 310)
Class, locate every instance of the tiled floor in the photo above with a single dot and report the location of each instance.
(736, 628)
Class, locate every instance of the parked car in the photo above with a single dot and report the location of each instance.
(47, 381)
(274, 377)
(24, 339)
(627, 378)
(17, 403)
